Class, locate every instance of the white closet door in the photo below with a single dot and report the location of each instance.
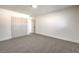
(19, 26)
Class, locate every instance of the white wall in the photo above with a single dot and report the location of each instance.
(61, 24)
(5, 27)
(29, 27)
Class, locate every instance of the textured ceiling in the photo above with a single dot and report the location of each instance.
(40, 10)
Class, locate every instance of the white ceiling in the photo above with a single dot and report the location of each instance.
(40, 10)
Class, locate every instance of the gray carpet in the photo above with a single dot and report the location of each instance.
(36, 43)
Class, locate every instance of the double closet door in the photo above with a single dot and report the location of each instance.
(18, 26)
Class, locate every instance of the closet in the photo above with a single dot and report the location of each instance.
(18, 26)
(14, 24)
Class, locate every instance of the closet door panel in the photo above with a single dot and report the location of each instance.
(19, 26)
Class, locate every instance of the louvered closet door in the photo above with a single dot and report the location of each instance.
(19, 26)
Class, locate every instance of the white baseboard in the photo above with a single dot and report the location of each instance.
(6, 38)
(66, 39)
